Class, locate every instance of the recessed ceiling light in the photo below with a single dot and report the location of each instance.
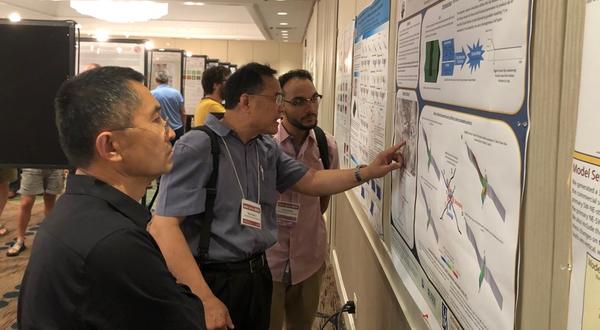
(285, 40)
(14, 17)
(192, 3)
(281, 13)
(284, 31)
(283, 23)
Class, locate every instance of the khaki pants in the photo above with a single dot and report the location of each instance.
(296, 304)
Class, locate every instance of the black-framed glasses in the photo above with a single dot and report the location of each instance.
(278, 97)
(304, 101)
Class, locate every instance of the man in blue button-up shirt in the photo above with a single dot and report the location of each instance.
(171, 104)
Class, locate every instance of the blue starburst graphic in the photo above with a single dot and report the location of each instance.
(475, 56)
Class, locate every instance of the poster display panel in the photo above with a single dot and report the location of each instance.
(462, 107)
(192, 82)
(127, 54)
(584, 297)
(169, 61)
(369, 100)
(343, 94)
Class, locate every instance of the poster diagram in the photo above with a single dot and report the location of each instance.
(404, 183)
(343, 93)
(369, 100)
(192, 82)
(474, 48)
(584, 300)
(463, 243)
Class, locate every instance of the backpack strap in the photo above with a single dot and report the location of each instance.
(323, 148)
(211, 195)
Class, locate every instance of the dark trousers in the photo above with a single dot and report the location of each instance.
(245, 289)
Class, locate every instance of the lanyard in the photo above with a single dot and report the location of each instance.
(236, 173)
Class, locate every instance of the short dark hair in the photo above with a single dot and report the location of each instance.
(247, 79)
(300, 74)
(98, 99)
(214, 75)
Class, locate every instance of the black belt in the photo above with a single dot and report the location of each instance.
(253, 264)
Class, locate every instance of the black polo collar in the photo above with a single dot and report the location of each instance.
(89, 185)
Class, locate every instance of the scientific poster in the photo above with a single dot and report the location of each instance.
(369, 99)
(343, 94)
(169, 62)
(192, 82)
(127, 54)
(584, 300)
(462, 108)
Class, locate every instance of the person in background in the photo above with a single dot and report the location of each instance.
(171, 104)
(233, 278)
(93, 264)
(35, 181)
(7, 175)
(297, 260)
(213, 80)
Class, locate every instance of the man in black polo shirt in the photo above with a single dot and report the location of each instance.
(93, 265)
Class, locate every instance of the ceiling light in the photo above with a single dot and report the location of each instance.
(281, 13)
(14, 17)
(283, 23)
(284, 37)
(121, 11)
(285, 40)
(149, 45)
(284, 31)
(192, 3)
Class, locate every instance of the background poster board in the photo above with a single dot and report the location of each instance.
(369, 99)
(46, 49)
(170, 61)
(192, 82)
(126, 53)
(584, 296)
(462, 106)
(343, 94)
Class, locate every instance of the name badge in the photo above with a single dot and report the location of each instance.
(287, 213)
(250, 214)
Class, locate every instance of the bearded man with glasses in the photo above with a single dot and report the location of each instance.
(233, 278)
(297, 260)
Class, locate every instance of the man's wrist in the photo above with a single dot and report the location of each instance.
(360, 178)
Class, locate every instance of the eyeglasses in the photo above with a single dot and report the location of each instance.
(278, 97)
(303, 101)
(161, 121)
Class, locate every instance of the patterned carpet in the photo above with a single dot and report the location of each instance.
(11, 271)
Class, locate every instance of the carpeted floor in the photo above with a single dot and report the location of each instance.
(12, 268)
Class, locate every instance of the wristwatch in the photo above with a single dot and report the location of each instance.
(357, 175)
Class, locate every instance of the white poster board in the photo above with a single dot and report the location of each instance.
(462, 107)
(169, 61)
(192, 82)
(584, 298)
(343, 94)
(125, 54)
(369, 100)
